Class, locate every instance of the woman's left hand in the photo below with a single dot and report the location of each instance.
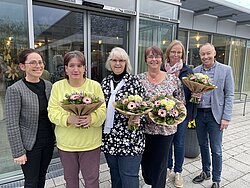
(84, 121)
(136, 120)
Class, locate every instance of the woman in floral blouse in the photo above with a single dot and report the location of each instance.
(158, 138)
(123, 148)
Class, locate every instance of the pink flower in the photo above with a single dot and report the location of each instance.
(124, 101)
(75, 97)
(162, 113)
(144, 103)
(87, 100)
(131, 105)
(157, 103)
(175, 113)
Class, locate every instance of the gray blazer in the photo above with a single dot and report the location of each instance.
(222, 97)
(22, 113)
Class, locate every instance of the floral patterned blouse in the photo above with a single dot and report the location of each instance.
(121, 141)
(170, 85)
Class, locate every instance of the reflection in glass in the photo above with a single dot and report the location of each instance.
(106, 33)
(159, 8)
(237, 61)
(13, 38)
(153, 33)
(183, 36)
(222, 47)
(195, 41)
(246, 84)
(57, 31)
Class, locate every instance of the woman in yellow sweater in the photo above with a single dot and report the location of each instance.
(79, 148)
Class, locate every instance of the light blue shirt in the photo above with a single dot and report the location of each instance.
(206, 97)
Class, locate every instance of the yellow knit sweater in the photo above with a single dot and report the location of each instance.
(69, 137)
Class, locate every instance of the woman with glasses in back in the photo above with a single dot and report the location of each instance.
(30, 132)
(158, 137)
(122, 147)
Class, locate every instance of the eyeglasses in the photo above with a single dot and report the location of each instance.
(34, 63)
(154, 56)
(174, 52)
(118, 60)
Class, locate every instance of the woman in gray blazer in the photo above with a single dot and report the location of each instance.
(30, 132)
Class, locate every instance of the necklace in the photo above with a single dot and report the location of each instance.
(116, 81)
(153, 80)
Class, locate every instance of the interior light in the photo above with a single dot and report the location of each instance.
(198, 37)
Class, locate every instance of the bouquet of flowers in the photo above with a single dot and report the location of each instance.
(167, 110)
(198, 83)
(131, 106)
(81, 103)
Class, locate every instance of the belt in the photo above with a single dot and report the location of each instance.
(205, 109)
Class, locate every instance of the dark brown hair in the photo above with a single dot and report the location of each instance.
(24, 54)
(74, 54)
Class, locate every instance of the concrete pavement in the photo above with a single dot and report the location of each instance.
(236, 159)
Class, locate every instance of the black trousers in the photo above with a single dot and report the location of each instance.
(38, 160)
(154, 160)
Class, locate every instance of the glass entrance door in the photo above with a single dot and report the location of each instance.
(106, 33)
(57, 32)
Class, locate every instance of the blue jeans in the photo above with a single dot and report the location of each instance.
(124, 170)
(208, 132)
(179, 148)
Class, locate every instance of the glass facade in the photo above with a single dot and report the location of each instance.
(153, 33)
(222, 47)
(13, 38)
(195, 40)
(106, 33)
(246, 78)
(59, 29)
(237, 61)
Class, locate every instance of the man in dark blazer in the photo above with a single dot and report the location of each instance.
(213, 114)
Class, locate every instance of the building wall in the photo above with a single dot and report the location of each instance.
(210, 24)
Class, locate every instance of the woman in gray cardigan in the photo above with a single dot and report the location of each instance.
(30, 132)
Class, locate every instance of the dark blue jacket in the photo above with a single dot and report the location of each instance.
(191, 107)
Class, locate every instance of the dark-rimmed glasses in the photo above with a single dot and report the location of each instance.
(34, 63)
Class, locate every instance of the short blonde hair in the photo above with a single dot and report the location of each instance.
(170, 46)
(120, 53)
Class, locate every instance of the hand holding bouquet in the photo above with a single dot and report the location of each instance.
(198, 83)
(81, 103)
(167, 110)
(132, 106)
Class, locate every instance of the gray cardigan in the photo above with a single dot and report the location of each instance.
(22, 114)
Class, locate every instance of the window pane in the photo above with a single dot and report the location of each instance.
(153, 33)
(13, 38)
(196, 39)
(159, 8)
(106, 33)
(246, 84)
(237, 61)
(57, 31)
(222, 47)
(183, 36)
